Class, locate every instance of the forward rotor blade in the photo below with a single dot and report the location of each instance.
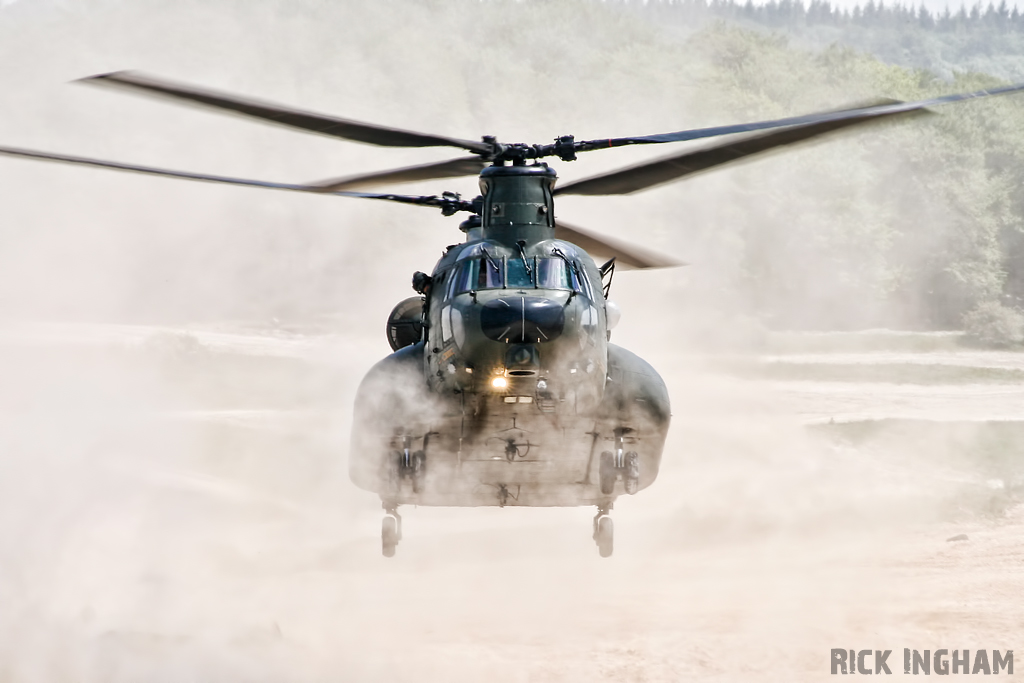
(887, 109)
(666, 169)
(444, 169)
(226, 180)
(286, 116)
(602, 248)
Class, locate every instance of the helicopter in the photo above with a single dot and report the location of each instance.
(503, 388)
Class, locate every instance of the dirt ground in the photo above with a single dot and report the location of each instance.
(155, 528)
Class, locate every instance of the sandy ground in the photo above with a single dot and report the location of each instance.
(147, 534)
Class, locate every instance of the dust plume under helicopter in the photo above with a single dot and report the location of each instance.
(513, 326)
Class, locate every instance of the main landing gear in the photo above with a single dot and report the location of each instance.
(604, 530)
(620, 463)
(390, 530)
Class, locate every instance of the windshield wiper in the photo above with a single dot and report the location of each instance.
(573, 267)
(491, 261)
(526, 264)
(558, 252)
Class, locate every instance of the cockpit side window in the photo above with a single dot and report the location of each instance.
(581, 283)
(466, 276)
(475, 274)
(561, 273)
(449, 289)
(553, 273)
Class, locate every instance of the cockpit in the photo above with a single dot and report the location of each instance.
(518, 272)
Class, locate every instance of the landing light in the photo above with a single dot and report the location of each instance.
(499, 382)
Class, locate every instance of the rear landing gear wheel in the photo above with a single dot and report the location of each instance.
(605, 536)
(389, 536)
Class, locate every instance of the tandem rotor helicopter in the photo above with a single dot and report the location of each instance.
(503, 388)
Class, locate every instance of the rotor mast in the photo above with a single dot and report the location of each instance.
(517, 202)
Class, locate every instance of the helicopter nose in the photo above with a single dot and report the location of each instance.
(522, 319)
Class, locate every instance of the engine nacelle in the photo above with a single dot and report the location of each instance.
(405, 324)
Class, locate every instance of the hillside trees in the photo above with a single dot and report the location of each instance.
(987, 38)
(911, 222)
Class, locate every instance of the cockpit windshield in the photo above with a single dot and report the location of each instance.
(533, 272)
(519, 273)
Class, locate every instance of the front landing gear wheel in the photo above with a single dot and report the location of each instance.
(390, 530)
(605, 536)
(389, 536)
(603, 529)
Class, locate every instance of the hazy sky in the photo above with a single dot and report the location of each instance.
(935, 5)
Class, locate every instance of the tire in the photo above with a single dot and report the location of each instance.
(388, 536)
(605, 536)
(607, 473)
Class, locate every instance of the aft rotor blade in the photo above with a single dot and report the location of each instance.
(859, 113)
(286, 116)
(445, 169)
(666, 169)
(600, 248)
(226, 180)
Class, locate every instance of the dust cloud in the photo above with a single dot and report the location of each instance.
(179, 362)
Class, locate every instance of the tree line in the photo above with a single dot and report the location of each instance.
(916, 222)
(793, 13)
